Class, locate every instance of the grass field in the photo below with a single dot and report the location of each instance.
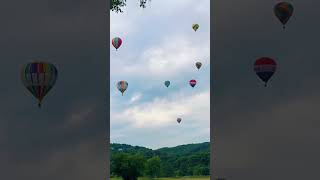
(180, 178)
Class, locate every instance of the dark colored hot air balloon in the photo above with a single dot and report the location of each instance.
(265, 68)
(192, 82)
(167, 83)
(39, 78)
(179, 120)
(122, 86)
(195, 27)
(283, 12)
(198, 65)
(116, 42)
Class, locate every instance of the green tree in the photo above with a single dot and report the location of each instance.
(127, 166)
(153, 168)
(117, 5)
(201, 171)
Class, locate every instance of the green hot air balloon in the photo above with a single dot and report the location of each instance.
(195, 27)
(39, 78)
(167, 83)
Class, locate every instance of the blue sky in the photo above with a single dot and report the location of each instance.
(159, 44)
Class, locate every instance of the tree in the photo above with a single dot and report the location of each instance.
(127, 166)
(201, 171)
(153, 167)
(116, 5)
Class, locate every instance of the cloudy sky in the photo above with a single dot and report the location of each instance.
(159, 44)
(265, 133)
(65, 138)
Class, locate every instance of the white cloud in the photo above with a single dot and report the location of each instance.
(161, 112)
(136, 97)
(173, 57)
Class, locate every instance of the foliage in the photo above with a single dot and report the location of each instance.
(128, 166)
(184, 160)
(153, 167)
(117, 5)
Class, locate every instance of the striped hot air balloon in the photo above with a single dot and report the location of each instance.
(122, 86)
(265, 68)
(192, 82)
(116, 42)
(39, 78)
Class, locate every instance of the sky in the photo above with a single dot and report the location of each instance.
(159, 44)
(265, 133)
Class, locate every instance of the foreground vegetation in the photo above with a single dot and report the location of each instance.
(131, 162)
(175, 178)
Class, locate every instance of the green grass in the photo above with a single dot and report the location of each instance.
(173, 178)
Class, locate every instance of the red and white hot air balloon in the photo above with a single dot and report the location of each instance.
(265, 67)
(192, 82)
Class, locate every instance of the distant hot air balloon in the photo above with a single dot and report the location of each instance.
(179, 120)
(283, 12)
(265, 68)
(198, 65)
(192, 82)
(167, 83)
(39, 78)
(122, 86)
(195, 27)
(116, 42)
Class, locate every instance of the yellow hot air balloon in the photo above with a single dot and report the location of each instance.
(195, 27)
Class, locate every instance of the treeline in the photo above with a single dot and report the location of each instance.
(130, 162)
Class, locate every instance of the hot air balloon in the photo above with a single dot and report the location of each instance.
(192, 82)
(198, 65)
(122, 86)
(167, 83)
(283, 12)
(116, 42)
(265, 68)
(179, 120)
(39, 78)
(195, 27)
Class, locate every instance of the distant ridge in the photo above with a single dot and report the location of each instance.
(184, 148)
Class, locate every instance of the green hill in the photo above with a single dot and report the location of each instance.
(183, 160)
(187, 149)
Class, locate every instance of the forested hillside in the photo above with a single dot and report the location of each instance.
(183, 160)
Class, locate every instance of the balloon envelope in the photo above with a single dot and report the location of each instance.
(192, 82)
(179, 120)
(122, 86)
(195, 27)
(283, 12)
(265, 68)
(198, 65)
(39, 78)
(167, 83)
(116, 42)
